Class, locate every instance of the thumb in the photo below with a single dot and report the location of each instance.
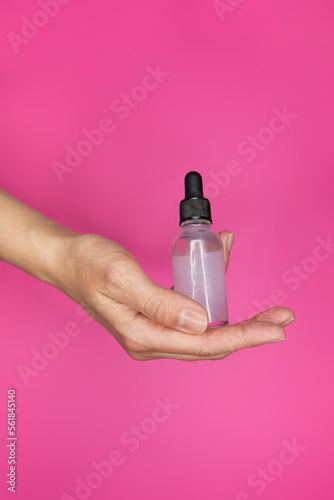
(162, 305)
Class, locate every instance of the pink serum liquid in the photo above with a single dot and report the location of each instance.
(199, 269)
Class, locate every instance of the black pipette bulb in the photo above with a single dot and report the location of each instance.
(194, 206)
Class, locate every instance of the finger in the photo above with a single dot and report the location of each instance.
(152, 355)
(213, 342)
(166, 307)
(220, 341)
(227, 239)
(280, 315)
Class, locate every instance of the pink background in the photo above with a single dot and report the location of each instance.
(225, 78)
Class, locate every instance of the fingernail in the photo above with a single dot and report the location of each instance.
(230, 241)
(192, 321)
(288, 321)
(276, 340)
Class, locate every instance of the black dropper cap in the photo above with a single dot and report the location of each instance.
(194, 206)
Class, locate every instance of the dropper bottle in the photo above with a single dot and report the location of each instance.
(198, 254)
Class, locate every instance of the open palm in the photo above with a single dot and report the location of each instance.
(145, 318)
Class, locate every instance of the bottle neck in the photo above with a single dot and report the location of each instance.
(203, 223)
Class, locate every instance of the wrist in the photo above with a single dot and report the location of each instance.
(55, 246)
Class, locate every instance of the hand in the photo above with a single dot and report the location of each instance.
(145, 318)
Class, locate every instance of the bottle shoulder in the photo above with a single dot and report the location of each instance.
(196, 239)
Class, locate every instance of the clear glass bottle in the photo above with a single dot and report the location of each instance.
(198, 254)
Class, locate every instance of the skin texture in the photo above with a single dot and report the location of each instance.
(109, 283)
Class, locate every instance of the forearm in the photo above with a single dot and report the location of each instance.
(31, 241)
